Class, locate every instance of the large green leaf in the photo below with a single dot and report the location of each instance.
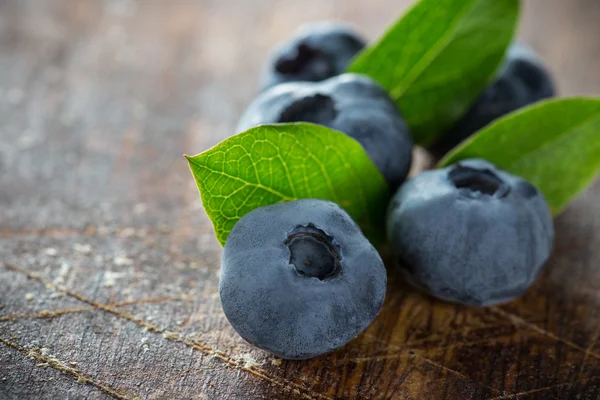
(554, 144)
(283, 162)
(439, 57)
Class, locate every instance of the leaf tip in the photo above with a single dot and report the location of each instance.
(192, 160)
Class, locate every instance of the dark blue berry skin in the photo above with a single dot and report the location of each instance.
(299, 279)
(470, 233)
(521, 81)
(350, 103)
(317, 51)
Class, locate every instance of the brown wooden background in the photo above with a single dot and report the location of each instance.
(108, 264)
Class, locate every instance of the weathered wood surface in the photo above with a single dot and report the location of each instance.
(109, 268)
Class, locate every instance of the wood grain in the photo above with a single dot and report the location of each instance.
(108, 281)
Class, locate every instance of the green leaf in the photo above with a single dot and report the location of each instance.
(439, 57)
(284, 162)
(554, 144)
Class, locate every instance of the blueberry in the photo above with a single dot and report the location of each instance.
(470, 233)
(299, 279)
(521, 81)
(350, 103)
(317, 51)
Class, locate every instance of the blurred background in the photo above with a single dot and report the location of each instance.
(83, 81)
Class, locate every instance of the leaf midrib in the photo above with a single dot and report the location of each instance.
(474, 140)
(434, 51)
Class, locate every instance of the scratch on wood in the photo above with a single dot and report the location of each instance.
(44, 314)
(175, 337)
(593, 341)
(150, 300)
(286, 385)
(65, 369)
(57, 313)
(174, 374)
(450, 370)
(520, 321)
(434, 337)
(408, 347)
(414, 352)
(358, 360)
(517, 395)
(490, 340)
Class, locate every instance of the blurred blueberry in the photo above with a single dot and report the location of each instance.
(522, 80)
(315, 52)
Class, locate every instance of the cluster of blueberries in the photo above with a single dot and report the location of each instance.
(299, 279)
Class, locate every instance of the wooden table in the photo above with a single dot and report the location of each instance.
(108, 264)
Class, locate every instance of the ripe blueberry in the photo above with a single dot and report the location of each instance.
(299, 279)
(521, 81)
(316, 51)
(470, 233)
(350, 103)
